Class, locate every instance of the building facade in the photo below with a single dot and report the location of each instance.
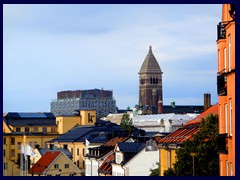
(68, 101)
(150, 83)
(24, 128)
(226, 89)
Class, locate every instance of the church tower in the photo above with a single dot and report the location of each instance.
(150, 83)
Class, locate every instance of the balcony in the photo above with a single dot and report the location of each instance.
(222, 84)
(221, 32)
(222, 143)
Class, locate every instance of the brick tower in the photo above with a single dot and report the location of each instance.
(150, 83)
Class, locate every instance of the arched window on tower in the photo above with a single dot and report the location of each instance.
(156, 80)
(151, 80)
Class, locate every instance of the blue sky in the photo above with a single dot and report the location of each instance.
(51, 48)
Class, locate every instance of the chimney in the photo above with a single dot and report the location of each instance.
(207, 101)
(51, 146)
(160, 107)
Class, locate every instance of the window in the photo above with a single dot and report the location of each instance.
(35, 129)
(5, 166)
(118, 158)
(225, 59)
(83, 164)
(226, 168)
(72, 151)
(57, 174)
(230, 117)
(12, 141)
(77, 151)
(226, 118)
(230, 51)
(4, 140)
(12, 153)
(78, 163)
(19, 145)
(66, 166)
(219, 60)
(18, 129)
(4, 153)
(44, 129)
(231, 169)
(169, 159)
(26, 129)
(52, 129)
(83, 151)
(56, 166)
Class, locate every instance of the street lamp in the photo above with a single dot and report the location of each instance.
(193, 158)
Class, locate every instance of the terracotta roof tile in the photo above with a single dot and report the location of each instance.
(106, 166)
(191, 127)
(44, 162)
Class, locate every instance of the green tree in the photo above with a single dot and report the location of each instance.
(204, 146)
(126, 123)
(155, 172)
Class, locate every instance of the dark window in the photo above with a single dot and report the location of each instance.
(56, 166)
(4, 140)
(83, 164)
(66, 165)
(12, 153)
(44, 129)
(26, 129)
(35, 129)
(77, 151)
(83, 151)
(151, 80)
(90, 118)
(18, 129)
(12, 141)
(4, 153)
(57, 174)
(5, 166)
(19, 145)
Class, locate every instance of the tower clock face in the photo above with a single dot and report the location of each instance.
(142, 93)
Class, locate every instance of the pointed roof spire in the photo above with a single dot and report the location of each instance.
(150, 64)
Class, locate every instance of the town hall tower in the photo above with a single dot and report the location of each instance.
(150, 84)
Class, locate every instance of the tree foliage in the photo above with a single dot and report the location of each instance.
(155, 172)
(204, 146)
(126, 123)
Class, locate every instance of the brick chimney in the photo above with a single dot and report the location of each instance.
(160, 107)
(207, 101)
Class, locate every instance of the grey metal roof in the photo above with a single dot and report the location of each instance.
(30, 119)
(150, 64)
(132, 147)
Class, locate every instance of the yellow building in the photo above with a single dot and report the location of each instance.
(82, 117)
(170, 143)
(226, 90)
(25, 128)
(54, 163)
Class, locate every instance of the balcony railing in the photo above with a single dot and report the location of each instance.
(222, 84)
(221, 32)
(222, 143)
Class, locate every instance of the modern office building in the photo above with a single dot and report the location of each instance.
(226, 90)
(100, 100)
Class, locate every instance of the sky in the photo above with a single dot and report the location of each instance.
(51, 48)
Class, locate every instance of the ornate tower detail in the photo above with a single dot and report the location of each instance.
(150, 82)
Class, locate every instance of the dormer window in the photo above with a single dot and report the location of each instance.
(118, 157)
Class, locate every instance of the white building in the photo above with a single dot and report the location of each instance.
(162, 122)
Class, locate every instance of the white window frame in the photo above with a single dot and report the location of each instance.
(225, 59)
(226, 118)
(118, 158)
(227, 168)
(230, 117)
(230, 52)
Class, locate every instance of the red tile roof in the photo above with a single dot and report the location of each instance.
(44, 162)
(106, 166)
(191, 127)
(112, 142)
